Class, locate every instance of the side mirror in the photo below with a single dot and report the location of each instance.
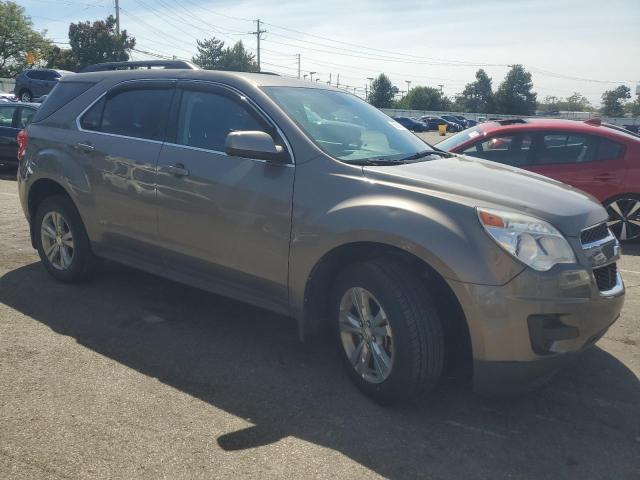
(255, 144)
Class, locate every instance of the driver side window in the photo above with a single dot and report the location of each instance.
(206, 118)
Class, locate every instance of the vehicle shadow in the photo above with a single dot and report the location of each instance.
(250, 363)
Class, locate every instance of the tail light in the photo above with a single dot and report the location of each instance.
(23, 139)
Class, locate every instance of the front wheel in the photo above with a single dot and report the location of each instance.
(624, 217)
(388, 331)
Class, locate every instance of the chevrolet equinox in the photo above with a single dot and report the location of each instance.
(306, 200)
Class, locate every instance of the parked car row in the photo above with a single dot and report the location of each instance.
(602, 160)
(454, 123)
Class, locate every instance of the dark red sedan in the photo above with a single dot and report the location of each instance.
(600, 159)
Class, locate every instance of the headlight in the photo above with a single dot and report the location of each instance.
(529, 239)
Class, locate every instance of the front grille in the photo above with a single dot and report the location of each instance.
(606, 277)
(593, 234)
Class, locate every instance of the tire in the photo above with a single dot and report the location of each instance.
(80, 261)
(624, 217)
(26, 95)
(411, 336)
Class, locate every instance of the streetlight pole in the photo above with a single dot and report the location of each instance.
(312, 74)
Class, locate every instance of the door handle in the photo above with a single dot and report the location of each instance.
(85, 146)
(177, 170)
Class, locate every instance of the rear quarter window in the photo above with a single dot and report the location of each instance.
(609, 149)
(62, 93)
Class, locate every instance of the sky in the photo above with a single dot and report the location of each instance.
(587, 46)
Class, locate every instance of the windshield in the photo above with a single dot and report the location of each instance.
(347, 127)
(459, 138)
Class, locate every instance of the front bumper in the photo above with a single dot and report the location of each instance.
(524, 331)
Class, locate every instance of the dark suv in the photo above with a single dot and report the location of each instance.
(306, 200)
(31, 84)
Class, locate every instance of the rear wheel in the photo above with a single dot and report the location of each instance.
(624, 217)
(62, 241)
(26, 95)
(388, 331)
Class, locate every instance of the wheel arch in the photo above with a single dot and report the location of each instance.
(315, 316)
(38, 192)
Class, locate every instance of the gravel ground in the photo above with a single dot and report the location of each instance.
(132, 376)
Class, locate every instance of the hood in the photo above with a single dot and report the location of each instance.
(480, 183)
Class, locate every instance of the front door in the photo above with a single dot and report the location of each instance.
(223, 221)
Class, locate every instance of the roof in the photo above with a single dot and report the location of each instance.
(580, 126)
(232, 78)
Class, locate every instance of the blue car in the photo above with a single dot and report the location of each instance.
(411, 124)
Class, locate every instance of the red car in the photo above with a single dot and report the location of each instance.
(601, 159)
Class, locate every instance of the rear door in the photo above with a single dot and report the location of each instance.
(588, 162)
(224, 221)
(8, 132)
(513, 149)
(117, 146)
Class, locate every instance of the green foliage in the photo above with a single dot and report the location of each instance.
(91, 43)
(212, 55)
(573, 103)
(209, 53)
(18, 40)
(515, 95)
(612, 101)
(477, 96)
(424, 98)
(382, 92)
(633, 108)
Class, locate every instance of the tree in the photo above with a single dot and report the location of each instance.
(20, 45)
(238, 59)
(62, 59)
(515, 95)
(382, 92)
(477, 96)
(578, 103)
(424, 98)
(633, 108)
(97, 42)
(213, 56)
(209, 53)
(612, 101)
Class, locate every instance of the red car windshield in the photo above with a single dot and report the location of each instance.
(459, 138)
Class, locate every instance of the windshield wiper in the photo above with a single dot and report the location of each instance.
(425, 153)
(378, 162)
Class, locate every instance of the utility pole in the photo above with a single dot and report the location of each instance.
(329, 82)
(338, 81)
(298, 55)
(258, 33)
(408, 82)
(118, 17)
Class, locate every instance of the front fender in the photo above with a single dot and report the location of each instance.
(446, 236)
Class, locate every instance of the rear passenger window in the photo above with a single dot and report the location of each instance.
(608, 150)
(563, 148)
(62, 94)
(139, 113)
(206, 118)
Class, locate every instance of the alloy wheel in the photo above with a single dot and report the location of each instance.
(57, 240)
(366, 335)
(624, 218)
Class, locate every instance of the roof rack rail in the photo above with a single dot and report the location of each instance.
(511, 121)
(143, 64)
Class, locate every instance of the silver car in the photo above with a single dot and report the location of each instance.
(305, 200)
